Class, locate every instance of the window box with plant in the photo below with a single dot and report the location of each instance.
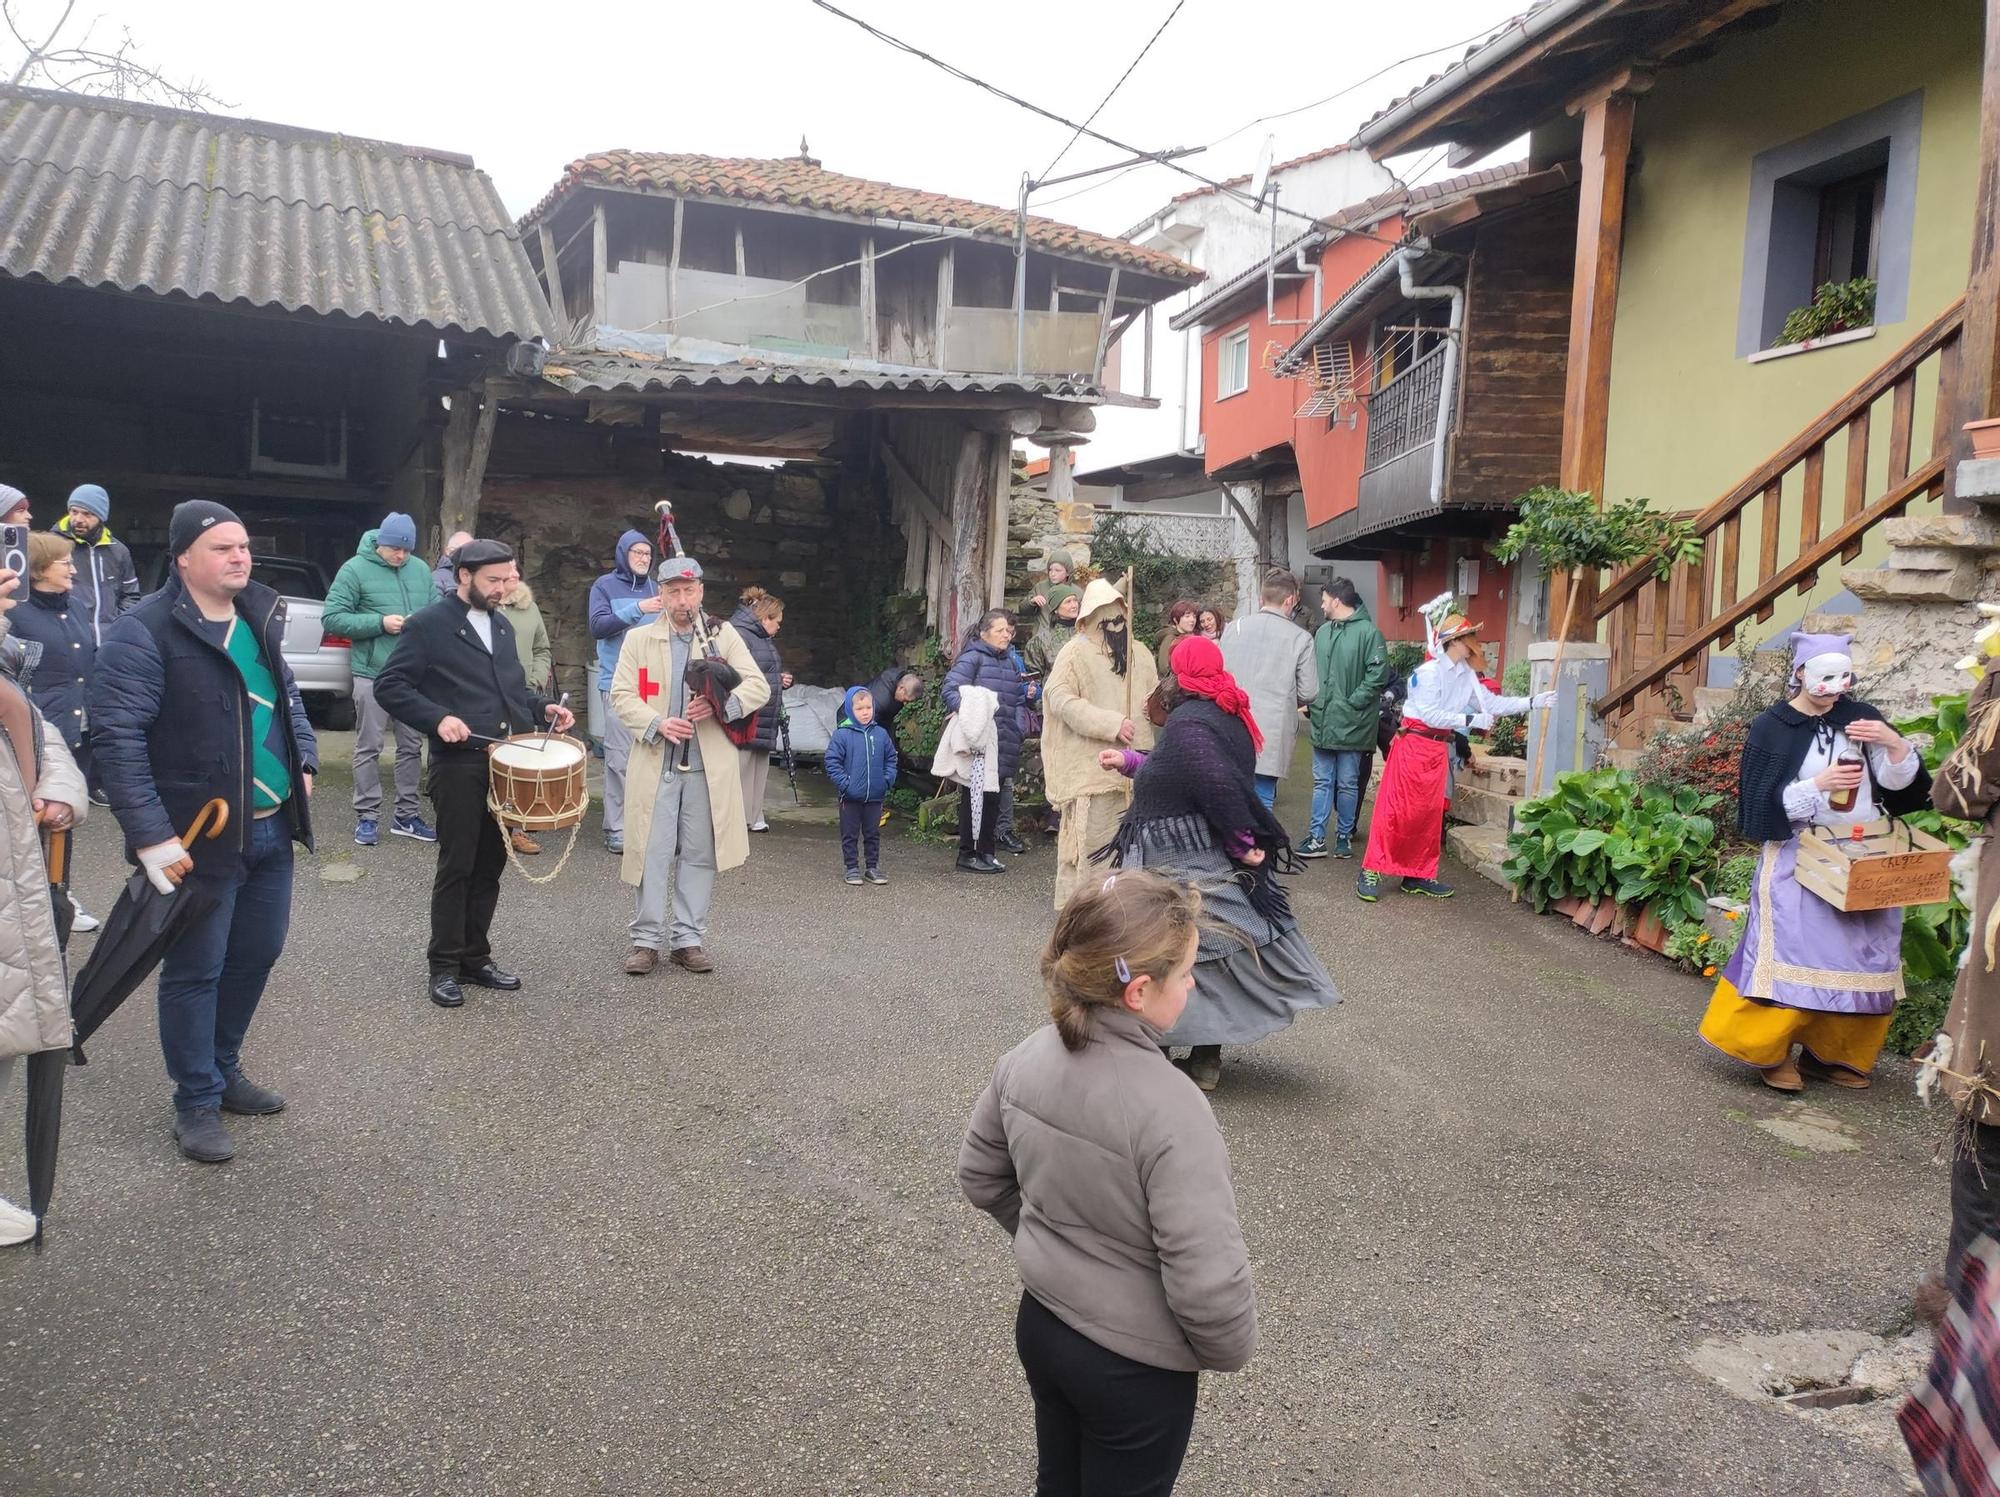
(1837, 307)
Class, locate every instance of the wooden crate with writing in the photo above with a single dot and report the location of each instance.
(1892, 864)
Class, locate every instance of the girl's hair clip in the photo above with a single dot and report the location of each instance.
(1124, 972)
(1108, 883)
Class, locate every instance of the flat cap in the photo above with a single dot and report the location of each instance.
(481, 553)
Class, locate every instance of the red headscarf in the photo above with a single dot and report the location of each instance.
(1197, 662)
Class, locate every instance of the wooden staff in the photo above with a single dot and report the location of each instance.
(1131, 645)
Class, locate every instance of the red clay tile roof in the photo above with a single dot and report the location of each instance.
(801, 183)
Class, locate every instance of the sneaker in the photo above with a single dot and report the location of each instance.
(854, 875)
(99, 798)
(202, 1137)
(17, 1225)
(1011, 843)
(1436, 888)
(414, 827)
(760, 826)
(874, 876)
(1313, 847)
(81, 922)
(1368, 887)
(614, 842)
(366, 832)
(1343, 847)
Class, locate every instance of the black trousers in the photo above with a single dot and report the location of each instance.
(860, 831)
(471, 858)
(1105, 1426)
(989, 821)
(1975, 1195)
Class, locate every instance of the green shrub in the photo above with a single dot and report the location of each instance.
(921, 723)
(1934, 934)
(1709, 758)
(1734, 877)
(1921, 1013)
(1509, 735)
(1599, 834)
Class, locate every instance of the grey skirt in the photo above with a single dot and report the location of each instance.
(1251, 979)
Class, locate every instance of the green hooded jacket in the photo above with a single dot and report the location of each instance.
(364, 591)
(1353, 669)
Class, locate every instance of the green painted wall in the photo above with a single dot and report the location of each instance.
(1688, 417)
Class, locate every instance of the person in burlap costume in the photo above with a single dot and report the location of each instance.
(1090, 706)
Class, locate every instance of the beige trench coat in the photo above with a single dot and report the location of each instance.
(1083, 703)
(34, 987)
(649, 647)
(1967, 784)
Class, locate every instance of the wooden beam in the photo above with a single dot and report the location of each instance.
(919, 498)
(468, 442)
(740, 263)
(871, 335)
(1146, 379)
(1000, 485)
(1727, 14)
(1625, 80)
(1600, 234)
(674, 274)
(552, 278)
(946, 265)
(1104, 316)
(1975, 392)
(600, 264)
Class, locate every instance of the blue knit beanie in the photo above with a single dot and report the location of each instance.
(92, 497)
(397, 529)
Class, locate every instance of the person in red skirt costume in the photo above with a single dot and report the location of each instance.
(1446, 694)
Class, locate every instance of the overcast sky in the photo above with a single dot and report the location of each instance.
(524, 88)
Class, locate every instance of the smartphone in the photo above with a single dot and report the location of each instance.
(14, 551)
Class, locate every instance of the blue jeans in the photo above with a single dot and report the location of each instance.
(1267, 790)
(1337, 784)
(214, 974)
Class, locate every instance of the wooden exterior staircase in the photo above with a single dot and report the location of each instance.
(1660, 630)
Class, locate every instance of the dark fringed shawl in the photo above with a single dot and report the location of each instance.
(1776, 749)
(1197, 790)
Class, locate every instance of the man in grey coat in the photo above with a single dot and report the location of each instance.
(1272, 659)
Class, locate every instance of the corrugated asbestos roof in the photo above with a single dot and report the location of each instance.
(99, 192)
(800, 182)
(611, 373)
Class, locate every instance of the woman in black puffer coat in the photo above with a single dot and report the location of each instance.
(757, 618)
(68, 647)
(987, 660)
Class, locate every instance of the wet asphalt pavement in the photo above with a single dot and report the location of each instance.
(700, 1234)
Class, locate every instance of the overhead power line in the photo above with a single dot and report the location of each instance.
(1091, 118)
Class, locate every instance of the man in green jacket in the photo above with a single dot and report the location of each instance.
(375, 589)
(1353, 669)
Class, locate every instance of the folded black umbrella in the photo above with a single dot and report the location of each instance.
(46, 1067)
(136, 934)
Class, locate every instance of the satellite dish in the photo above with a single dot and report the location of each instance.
(1261, 177)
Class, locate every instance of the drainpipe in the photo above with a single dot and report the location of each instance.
(1406, 262)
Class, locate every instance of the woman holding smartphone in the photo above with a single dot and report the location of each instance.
(1807, 974)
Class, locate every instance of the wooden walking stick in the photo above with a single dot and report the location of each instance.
(1131, 644)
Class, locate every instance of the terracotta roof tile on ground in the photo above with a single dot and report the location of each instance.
(801, 183)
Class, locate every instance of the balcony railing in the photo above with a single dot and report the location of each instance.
(1402, 415)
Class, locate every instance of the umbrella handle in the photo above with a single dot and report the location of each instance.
(200, 828)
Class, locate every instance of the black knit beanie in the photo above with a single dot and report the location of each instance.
(191, 518)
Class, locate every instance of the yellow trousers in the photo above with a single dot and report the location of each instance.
(1762, 1034)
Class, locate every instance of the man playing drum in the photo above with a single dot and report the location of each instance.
(456, 676)
(686, 824)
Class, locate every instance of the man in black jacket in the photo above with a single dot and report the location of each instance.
(456, 676)
(192, 701)
(107, 584)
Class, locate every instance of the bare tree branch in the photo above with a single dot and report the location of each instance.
(79, 66)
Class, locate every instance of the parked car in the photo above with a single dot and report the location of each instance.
(319, 661)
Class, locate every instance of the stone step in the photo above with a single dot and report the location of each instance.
(1475, 804)
(1480, 848)
(1895, 584)
(1708, 700)
(1979, 532)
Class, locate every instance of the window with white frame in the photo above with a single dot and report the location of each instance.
(1232, 364)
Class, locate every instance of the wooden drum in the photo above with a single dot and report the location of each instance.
(537, 782)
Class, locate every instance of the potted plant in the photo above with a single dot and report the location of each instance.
(1836, 307)
(1571, 534)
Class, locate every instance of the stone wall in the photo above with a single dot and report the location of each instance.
(1920, 609)
(810, 532)
(1037, 526)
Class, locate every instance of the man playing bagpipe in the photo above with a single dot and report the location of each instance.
(686, 686)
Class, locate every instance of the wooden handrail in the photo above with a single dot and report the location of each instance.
(1773, 469)
(1929, 476)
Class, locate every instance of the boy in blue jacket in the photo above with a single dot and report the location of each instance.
(861, 762)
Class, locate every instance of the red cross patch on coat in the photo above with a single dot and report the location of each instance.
(648, 687)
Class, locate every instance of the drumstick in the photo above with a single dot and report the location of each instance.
(563, 702)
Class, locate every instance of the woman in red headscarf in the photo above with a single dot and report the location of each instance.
(1195, 814)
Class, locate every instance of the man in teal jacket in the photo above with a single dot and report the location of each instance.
(1353, 669)
(375, 589)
